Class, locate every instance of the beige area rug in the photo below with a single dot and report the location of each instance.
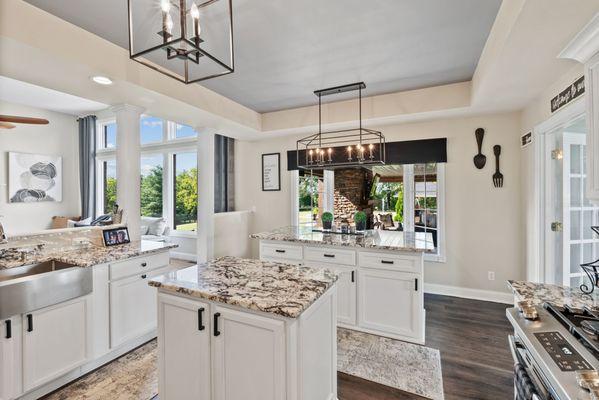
(401, 365)
(133, 376)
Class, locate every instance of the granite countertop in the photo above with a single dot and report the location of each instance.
(373, 239)
(270, 287)
(82, 257)
(557, 295)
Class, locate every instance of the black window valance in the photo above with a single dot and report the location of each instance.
(402, 152)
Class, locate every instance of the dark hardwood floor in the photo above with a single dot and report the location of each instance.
(472, 338)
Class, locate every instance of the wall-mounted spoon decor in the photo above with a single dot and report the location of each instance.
(480, 159)
(497, 176)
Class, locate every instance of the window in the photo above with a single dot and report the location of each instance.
(424, 203)
(184, 131)
(108, 186)
(185, 178)
(151, 185)
(108, 135)
(311, 187)
(151, 130)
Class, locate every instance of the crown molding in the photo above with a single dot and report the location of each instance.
(585, 44)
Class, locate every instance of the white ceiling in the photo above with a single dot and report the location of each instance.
(286, 49)
(14, 91)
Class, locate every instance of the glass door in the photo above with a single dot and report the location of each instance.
(569, 215)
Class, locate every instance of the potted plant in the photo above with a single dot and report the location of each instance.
(360, 220)
(327, 220)
(314, 213)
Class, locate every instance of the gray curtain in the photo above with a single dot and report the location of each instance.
(87, 165)
(224, 168)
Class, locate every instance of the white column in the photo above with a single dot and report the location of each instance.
(205, 193)
(128, 154)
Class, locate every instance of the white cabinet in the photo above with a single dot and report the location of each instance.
(132, 307)
(390, 301)
(55, 341)
(184, 349)
(248, 356)
(346, 295)
(10, 358)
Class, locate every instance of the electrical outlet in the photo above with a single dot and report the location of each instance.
(491, 275)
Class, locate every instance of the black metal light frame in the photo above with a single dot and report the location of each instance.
(191, 55)
(330, 149)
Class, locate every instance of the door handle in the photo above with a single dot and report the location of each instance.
(8, 323)
(216, 331)
(416, 284)
(29, 323)
(353, 276)
(201, 326)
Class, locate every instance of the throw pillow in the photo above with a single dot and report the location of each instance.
(157, 228)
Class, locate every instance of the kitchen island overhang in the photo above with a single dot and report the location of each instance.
(240, 328)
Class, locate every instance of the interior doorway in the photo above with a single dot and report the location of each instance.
(568, 217)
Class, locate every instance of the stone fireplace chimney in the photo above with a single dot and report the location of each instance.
(352, 187)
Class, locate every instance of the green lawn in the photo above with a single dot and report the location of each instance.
(193, 226)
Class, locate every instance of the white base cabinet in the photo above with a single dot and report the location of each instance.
(10, 358)
(378, 291)
(213, 351)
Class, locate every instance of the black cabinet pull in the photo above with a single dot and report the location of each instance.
(216, 331)
(29, 323)
(387, 262)
(144, 264)
(329, 255)
(201, 326)
(144, 276)
(280, 251)
(353, 276)
(8, 328)
(416, 284)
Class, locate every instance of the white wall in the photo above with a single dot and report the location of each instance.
(483, 224)
(59, 137)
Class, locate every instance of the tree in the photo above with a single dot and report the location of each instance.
(151, 193)
(398, 217)
(109, 195)
(186, 202)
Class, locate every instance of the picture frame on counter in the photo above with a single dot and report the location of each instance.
(271, 172)
(115, 236)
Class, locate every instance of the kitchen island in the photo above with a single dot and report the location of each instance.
(380, 287)
(246, 329)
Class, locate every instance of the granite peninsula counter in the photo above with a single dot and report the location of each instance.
(248, 328)
(380, 270)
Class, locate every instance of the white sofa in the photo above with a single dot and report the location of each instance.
(154, 229)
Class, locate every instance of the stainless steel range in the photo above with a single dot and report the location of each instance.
(553, 347)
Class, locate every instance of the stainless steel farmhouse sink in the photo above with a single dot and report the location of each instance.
(31, 287)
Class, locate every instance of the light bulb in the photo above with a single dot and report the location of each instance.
(371, 146)
(165, 5)
(330, 150)
(349, 149)
(169, 23)
(194, 11)
(310, 152)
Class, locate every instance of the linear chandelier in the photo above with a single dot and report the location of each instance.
(341, 148)
(188, 40)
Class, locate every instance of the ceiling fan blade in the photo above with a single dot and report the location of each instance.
(6, 125)
(23, 120)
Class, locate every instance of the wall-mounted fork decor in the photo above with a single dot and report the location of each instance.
(497, 176)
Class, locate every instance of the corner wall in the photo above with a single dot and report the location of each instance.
(59, 137)
(484, 228)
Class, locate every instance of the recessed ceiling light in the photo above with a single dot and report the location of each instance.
(102, 80)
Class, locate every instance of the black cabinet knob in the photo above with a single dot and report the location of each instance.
(280, 251)
(8, 323)
(329, 255)
(353, 276)
(201, 326)
(29, 323)
(386, 262)
(144, 276)
(216, 331)
(144, 264)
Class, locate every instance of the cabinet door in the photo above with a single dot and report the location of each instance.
(132, 308)
(10, 358)
(55, 341)
(346, 295)
(390, 302)
(183, 349)
(248, 356)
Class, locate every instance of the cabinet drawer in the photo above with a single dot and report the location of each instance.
(137, 265)
(281, 251)
(333, 256)
(393, 262)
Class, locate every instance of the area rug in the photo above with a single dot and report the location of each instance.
(401, 365)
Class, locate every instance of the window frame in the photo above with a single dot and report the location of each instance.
(101, 138)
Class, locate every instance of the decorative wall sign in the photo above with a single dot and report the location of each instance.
(526, 139)
(34, 178)
(567, 95)
(271, 172)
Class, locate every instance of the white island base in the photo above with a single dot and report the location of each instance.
(210, 350)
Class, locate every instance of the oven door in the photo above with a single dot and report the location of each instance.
(529, 381)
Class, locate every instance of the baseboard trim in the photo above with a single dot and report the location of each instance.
(184, 256)
(468, 293)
